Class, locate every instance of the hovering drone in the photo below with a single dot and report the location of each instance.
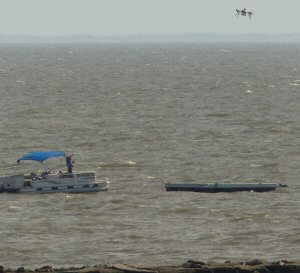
(243, 12)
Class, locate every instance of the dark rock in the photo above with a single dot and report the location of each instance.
(255, 266)
(193, 264)
(46, 268)
(261, 270)
(245, 270)
(9, 270)
(225, 269)
(67, 269)
(254, 262)
(98, 269)
(166, 269)
(203, 270)
(285, 261)
(175, 269)
(131, 269)
(282, 262)
(287, 268)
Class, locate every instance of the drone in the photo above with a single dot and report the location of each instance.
(243, 12)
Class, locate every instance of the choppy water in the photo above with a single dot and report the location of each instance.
(143, 115)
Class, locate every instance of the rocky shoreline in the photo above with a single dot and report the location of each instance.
(191, 266)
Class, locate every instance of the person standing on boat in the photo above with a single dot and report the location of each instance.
(69, 163)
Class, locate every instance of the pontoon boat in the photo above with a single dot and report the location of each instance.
(50, 181)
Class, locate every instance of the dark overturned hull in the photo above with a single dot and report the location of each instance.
(222, 187)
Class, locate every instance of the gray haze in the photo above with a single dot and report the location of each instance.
(131, 17)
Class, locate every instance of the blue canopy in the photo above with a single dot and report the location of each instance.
(40, 156)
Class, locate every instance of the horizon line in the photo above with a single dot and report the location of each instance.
(154, 33)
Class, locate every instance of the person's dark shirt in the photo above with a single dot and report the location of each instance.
(69, 162)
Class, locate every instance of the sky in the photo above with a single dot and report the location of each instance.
(132, 17)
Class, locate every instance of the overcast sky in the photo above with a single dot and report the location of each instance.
(127, 17)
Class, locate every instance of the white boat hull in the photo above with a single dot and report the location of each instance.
(77, 188)
(52, 183)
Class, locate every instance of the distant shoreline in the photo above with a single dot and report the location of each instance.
(158, 38)
(188, 267)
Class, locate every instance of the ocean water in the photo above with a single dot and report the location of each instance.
(143, 115)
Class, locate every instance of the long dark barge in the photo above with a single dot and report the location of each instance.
(223, 187)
